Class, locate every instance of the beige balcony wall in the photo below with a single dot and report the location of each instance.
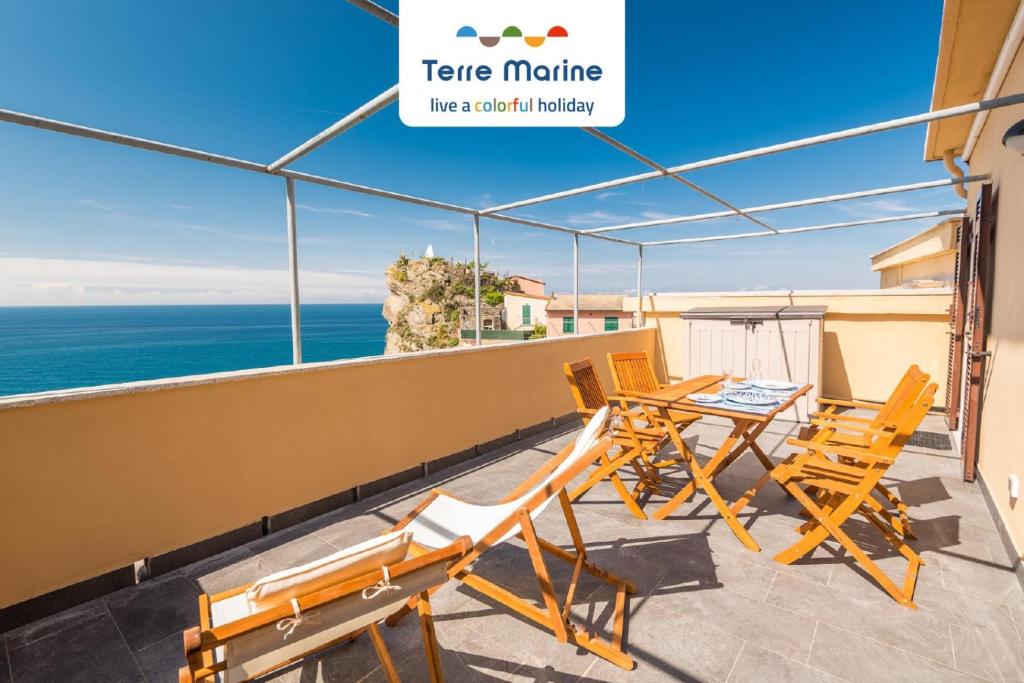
(1000, 444)
(870, 337)
(95, 481)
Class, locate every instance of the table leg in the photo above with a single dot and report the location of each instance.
(723, 457)
(749, 494)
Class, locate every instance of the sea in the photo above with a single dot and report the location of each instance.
(47, 348)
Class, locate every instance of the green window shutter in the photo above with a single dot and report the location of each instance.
(567, 326)
(526, 314)
(611, 324)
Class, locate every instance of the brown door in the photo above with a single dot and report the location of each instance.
(957, 319)
(976, 329)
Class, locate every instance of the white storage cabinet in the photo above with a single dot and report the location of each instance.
(786, 339)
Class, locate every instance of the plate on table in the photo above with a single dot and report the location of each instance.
(704, 398)
(773, 385)
(752, 398)
(744, 384)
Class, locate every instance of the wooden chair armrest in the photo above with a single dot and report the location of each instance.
(871, 405)
(841, 417)
(840, 450)
(865, 430)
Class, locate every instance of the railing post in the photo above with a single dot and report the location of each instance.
(293, 267)
(476, 276)
(576, 283)
(639, 286)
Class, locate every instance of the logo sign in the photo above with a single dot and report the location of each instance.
(512, 62)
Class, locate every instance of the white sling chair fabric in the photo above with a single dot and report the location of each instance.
(446, 518)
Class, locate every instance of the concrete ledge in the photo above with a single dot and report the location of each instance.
(65, 598)
(180, 557)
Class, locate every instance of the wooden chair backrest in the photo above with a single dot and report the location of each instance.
(890, 444)
(632, 372)
(910, 387)
(585, 386)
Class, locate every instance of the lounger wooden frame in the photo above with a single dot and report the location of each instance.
(555, 614)
(844, 488)
(201, 641)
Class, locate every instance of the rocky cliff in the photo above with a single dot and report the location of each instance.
(426, 297)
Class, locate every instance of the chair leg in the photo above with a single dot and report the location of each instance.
(383, 655)
(609, 469)
(430, 639)
(540, 568)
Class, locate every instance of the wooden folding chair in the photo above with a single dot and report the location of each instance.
(240, 638)
(886, 415)
(637, 443)
(633, 373)
(857, 431)
(441, 517)
(845, 488)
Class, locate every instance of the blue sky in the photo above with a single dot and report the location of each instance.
(85, 222)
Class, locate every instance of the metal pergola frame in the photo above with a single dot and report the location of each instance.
(497, 213)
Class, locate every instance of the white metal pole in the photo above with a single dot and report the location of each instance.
(293, 267)
(476, 277)
(639, 286)
(576, 284)
(811, 228)
(893, 124)
(345, 124)
(861, 194)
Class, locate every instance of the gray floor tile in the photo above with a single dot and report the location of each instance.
(755, 665)
(90, 651)
(226, 571)
(54, 624)
(290, 548)
(162, 660)
(768, 626)
(670, 646)
(155, 609)
(925, 633)
(842, 653)
(5, 667)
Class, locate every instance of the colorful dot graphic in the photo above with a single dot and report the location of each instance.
(511, 32)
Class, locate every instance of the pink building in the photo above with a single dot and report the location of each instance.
(528, 285)
(598, 313)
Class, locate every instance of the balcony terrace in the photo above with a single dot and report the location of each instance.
(706, 609)
(123, 503)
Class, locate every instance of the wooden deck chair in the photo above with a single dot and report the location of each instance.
(886, 415)
(638, 444)
(442, 517)
(633, 373)
(285, 617)
(858, 431)
(845, 489)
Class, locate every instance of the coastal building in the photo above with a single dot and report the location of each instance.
(981, 56)
(924, 260)
(597, 313)
(528, 307)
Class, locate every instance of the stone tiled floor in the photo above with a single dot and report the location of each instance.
(707, 609)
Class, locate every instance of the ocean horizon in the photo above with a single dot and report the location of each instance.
(45, 348)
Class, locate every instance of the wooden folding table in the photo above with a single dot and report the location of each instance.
(747, 426)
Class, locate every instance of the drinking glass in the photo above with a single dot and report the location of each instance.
(755, 368)
(726, 377)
